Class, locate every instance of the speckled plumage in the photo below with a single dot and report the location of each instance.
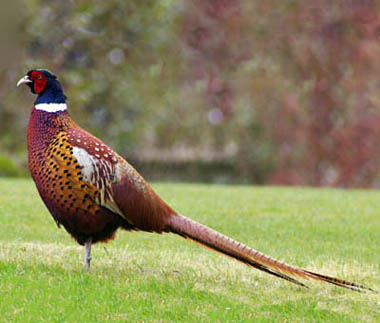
(92, 191)
(58, 176)
(84, 204)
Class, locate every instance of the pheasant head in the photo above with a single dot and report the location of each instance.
(50, 96)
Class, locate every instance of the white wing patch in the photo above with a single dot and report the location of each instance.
(99, 172)
(86, 161)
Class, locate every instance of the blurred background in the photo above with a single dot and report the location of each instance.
(226, 91)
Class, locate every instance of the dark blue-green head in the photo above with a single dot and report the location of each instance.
(45, 84)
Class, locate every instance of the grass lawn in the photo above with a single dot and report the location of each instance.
(151, 277)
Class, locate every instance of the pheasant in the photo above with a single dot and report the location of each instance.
(92, 191)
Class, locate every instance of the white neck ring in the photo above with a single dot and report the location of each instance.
(51, 107)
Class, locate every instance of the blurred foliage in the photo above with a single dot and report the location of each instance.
(282, 92)
(8, 168)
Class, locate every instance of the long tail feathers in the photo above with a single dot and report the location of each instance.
(207, 237)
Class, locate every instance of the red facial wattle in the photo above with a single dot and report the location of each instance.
(39, 81)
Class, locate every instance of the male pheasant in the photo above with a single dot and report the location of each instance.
(92, 191)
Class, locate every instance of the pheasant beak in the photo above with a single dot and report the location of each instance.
(24, 80)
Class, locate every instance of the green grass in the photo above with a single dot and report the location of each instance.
(150, 277)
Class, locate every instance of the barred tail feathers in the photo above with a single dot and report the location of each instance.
(216, 241)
